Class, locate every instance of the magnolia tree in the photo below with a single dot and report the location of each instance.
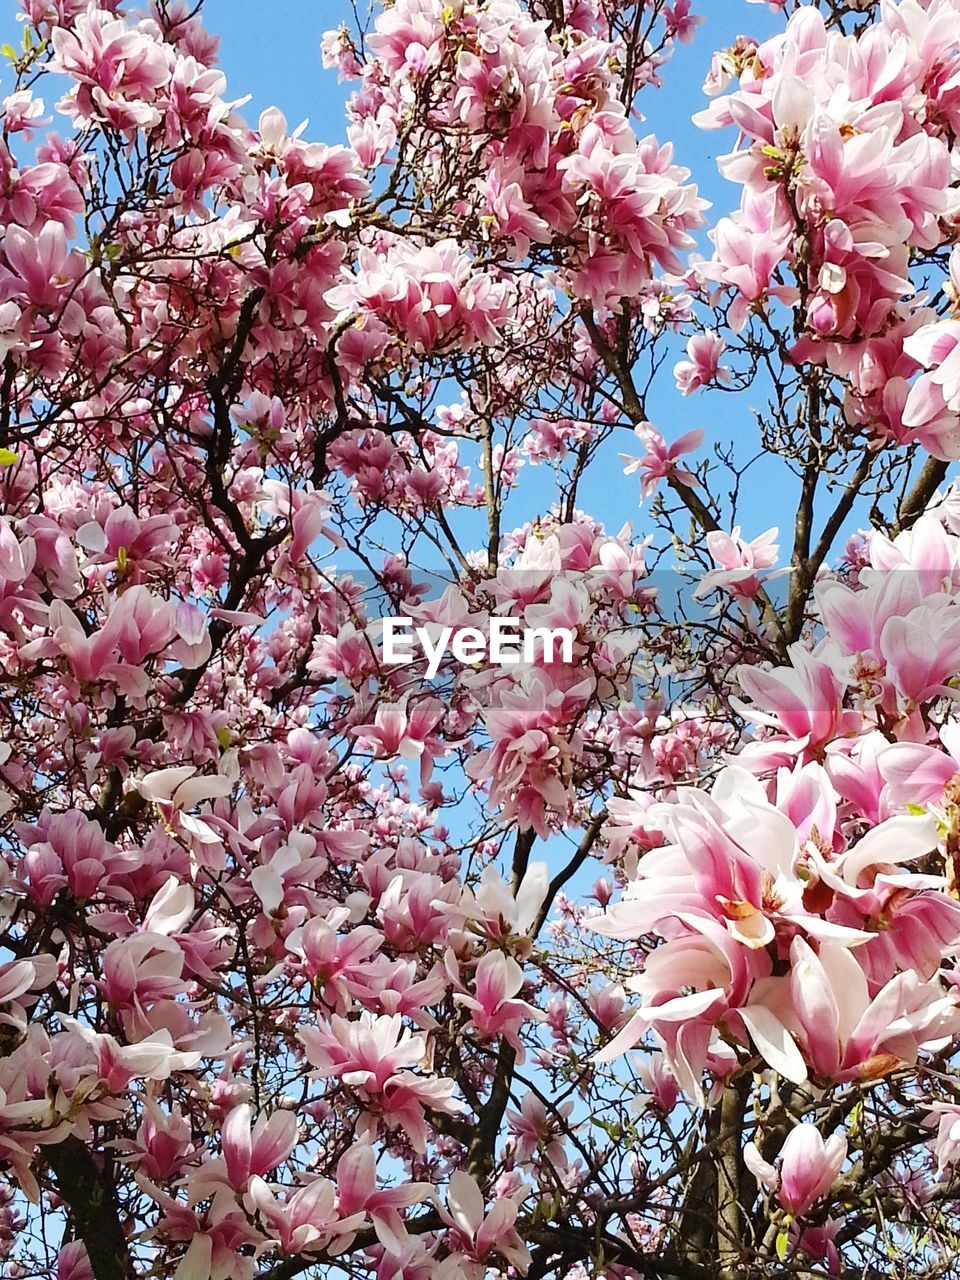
(637, 961)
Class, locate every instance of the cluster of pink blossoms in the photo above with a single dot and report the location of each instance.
(555, 156)
(271, 985)
(847, 160)
(206, 996)
(807, 913)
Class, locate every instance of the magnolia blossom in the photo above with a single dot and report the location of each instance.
(805, 1169)
(660, 460)
(703, 366)
(739, 562)
(477, 1233)
(309, 967)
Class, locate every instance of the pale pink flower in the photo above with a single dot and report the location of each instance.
(258, 1150)
(681, 23)
(397, 731)
(703, 366)
(357, 1193)
(805, 1169)
(660, 460)
(494, 1010)
(476, 1233)
(739, 563)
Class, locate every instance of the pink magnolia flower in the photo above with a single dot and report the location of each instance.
(146, 624)
(927, 549)
(500, 913)
(162, 1144)
(845, 1033)
(433, 297)
(116, 69)
(258, 1150)
(936, 347)
(528, 762)
(660, 460)
(703, 366)
(214, 1239)
(37, 266)
(514, 216)
(22, 113)
(739, 562)
(329, 958)
(918, 773)
(142, 969)
(636, 208)
(17, 977)
(749, 245)
(659, 1080)
(306, 1220)
(536, 1129)
(922, 651)
(11, 328)
(69, 849)
(805, 1169)
(855, 619)
(138, 624)
(409, 37)
(306, 510)
(494, 1011)
(73, 1262)
(373, 1056)
(126, 544)
(737, 858)
(364, 1053)
(689, 983)
(338, 51)
(476, 1233)
(397, 732)
(819, 1239)
(357, 1193)
(117, 1064)
(681, 23)
(802, 703)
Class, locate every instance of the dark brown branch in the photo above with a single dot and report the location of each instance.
(932, 475)
(805, 570)
(570, 870)
(93, 1209)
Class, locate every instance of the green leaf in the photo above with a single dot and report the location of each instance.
(223, 737)
(8, 51)
(916, 810)
(783, 1244)
(855, 1117)
(7, 457)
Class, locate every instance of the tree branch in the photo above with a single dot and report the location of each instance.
(932, 475)
(93, 1209)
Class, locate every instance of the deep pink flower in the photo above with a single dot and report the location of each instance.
(805, 1169)
(703, 366)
